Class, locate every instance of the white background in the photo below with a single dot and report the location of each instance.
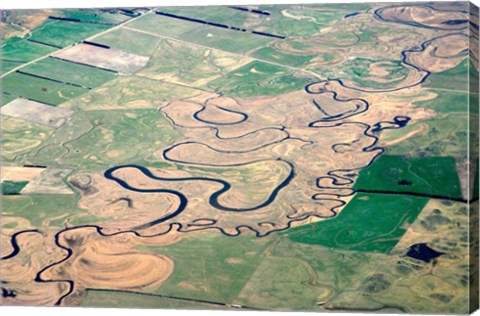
(50, 311)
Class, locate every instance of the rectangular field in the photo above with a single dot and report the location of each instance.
(369, 222)
(17, 51)
(427, 176)
(64, 33)
(39, 89)
(36, 112)
(104, 58)
(69, 72)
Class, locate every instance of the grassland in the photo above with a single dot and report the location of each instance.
(218, 14)
(122, 39)
(428, 176)
(205, 35)
(130, 92)
(298, 276)
(446, 102)
(369, 222)
(8, 65)
(258, 78)
(211, 266)
(353, 261)
(370, 73)
(306, 23)
(21, 51)
(39, 89)
(42, 210)
(69, 72)
(105, 138)
(162, 25)
(189, 65)
(445, 133)
(96, 298)
(454, 78)
(274, 55)
(224, 39)
(94, 15)
(19, 137)
(6, 98)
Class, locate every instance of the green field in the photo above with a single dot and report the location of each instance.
(454, 78)
(216, 267)
(259, 78)
(289, 59)
(162, 25)
(94, 15)
(9, 65)
(101, 139)
(65, 33)
(38, 89)
(276, 22)
(19, 137)
(6, 98)
(12, 187)
(42, 210)
(186, 64)
(224, 39)
(444, 134)
(255, 209)
(130, 41)
(21, 51)
(359, 72)
(131, 92)
(308, 25)
(446, 102)
(217, 14)
(125, 299)
(428, 176)
(65, 71)
(369, 222)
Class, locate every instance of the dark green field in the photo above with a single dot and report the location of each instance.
(427, 176)
(39, 89)
(240, 157)
(69, 72)
(64, 33)
(453, 78)
(19, 51)
(369, 222)
(12, 187)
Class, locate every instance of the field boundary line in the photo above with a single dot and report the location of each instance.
(223, 51)
(86, 39)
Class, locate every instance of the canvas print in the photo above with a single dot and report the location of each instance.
(315, 157)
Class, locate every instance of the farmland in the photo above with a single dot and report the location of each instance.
(308, 157)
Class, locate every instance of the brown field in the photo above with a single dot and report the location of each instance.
(21, 270)
(103, 262)
(50, 181)
(110, 59)
(13, 173)
(442, 54)
(177, 183)
(422, 14)
(36, 112)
